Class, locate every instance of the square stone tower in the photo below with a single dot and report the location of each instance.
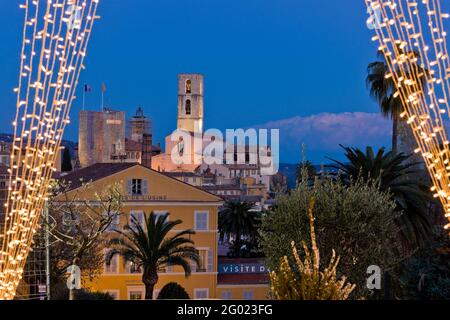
(138, 126)
(190, 102)
(101, 137)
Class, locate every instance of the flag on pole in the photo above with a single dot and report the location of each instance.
(87, 89)
(103, 95)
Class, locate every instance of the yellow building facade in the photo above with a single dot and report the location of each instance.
(147, 191)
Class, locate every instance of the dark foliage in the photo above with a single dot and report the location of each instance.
(173, 291)
(238, 221)
(66, 165)
(60, 292)
(427, 275)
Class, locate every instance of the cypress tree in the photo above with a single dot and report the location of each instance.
(66, 161)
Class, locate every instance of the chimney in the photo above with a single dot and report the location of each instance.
(147, 141)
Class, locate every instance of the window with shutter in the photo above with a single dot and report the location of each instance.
(144, 187)
(201, 293)
(136, 188)
(248, 295)
(113, 266)
(114, 225)
(159, 213)
(201, 220)
(133, 268)
(136, 293)
(139, 216)
(194, 266)
(130, 187)
(226, 295)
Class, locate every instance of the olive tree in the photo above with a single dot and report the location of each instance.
(357, 221)
(77, 227)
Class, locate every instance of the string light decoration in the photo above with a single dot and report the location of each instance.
(412, 38)
(55, 39)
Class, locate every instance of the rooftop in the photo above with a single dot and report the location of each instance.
(223, 187)
(102, 170)
(131, 145)
(93, 173)
(181, 174)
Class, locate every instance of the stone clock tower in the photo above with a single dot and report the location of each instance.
(190, 102)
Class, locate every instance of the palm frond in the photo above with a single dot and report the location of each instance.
(397, 175)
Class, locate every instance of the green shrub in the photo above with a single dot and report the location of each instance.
(93, 295)
(173, 291)
(60, 292)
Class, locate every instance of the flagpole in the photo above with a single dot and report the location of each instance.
(84, 97)
(103, 96)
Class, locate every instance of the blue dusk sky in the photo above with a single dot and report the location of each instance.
(297, 65)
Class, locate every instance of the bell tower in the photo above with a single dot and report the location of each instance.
(190, 102)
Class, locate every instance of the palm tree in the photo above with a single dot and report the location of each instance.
(236, 219)
(383, 89)
(310, 170)
(395, 174)
(152, 249)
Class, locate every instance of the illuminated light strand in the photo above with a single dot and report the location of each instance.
(55, 40)
(405, 27)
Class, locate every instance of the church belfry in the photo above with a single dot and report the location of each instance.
(190, 102)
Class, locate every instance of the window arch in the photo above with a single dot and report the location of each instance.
(188, 106)
(188, 86)
(181, 146)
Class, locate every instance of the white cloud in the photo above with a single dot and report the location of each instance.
(322, 133)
